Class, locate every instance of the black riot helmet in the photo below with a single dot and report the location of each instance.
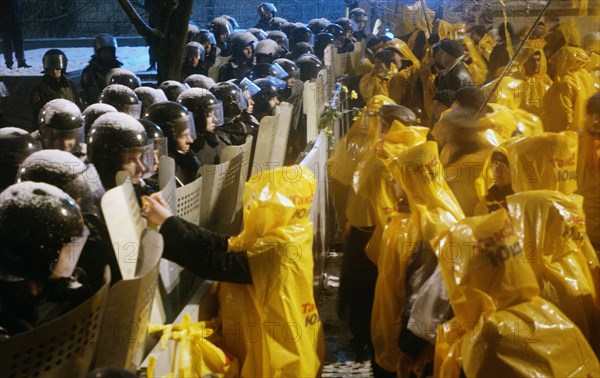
(276, 23)
(309, 65)
(238, 42)
(122, 98)
(199, 81)
(220, 26)
(92, 112)
(68, 173)
(39, 223)
(232, 98)
(172, 89)
(322, 40)
(173, 119)
(269, 87)
(287, 28)
(194, 50)
(348, 25)
(124, 77)
(300, 34)
(232, 21)
(279, 37)
(149, 96)
(316, 25)
(118, 142)
(266, 11)
(266, 51)
(335, 30)
(202, 104)
(15, 145)
(192, 30)
(55, 59)
(262, 70)
(358, 14)
(105, 41)
(301, 48)
(204, 36)
(289, 67)
(61, 121)
(258, 33)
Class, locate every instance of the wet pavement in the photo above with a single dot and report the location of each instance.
(340, 360)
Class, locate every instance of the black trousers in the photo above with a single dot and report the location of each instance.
(12, 40)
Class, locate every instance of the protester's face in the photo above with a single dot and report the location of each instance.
(475, 38)
(183, 141)
(539, 31)
(134, 164)
(380, 65)
(533, 64)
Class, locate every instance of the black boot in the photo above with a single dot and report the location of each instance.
(23, 64)
(9, 64)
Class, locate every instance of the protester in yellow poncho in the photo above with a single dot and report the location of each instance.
(536, 82)
(402, 85)
(564, 103)
(588, 170)
(407, 260)
(268, 316)
(501, 326)
(475, 63)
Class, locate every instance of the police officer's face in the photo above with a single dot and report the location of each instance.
(55, 72)
(273, 102)
(183, 141)
(192, 60)
(207, 47)
(211, 122)
(134, 164)
(248, 52)
(249, 100)
(67, 144)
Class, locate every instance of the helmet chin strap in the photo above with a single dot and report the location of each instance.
(69, 256)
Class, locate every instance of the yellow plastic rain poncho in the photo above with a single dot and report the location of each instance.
(501, 326)
(506, 104)
(535, 86)
(588, 182)
(377, 83)
(373, 200)
(401, 87)
(273, 326)
(551, 229)
(486, 45)
(349, 151)
(591, 44)
(197, 354)
(433, 208)
(478, 66)
(547, 162)
(564, 103)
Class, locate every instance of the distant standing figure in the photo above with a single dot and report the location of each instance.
(11, 25)
(93, 77)
(54, 83)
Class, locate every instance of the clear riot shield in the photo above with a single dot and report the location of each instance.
(124, 327)
(62, 347)
(220, 184)
(272, 140)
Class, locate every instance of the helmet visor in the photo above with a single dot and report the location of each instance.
(134, 110)
(183, 123)
(278, 71)
(138, 162)
(217, 113)
(69, 256)
(247, 84)
(64, 140)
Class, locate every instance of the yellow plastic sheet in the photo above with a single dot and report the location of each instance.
(196, 355)
(501, 326)
(272, 326)
(551, 228)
